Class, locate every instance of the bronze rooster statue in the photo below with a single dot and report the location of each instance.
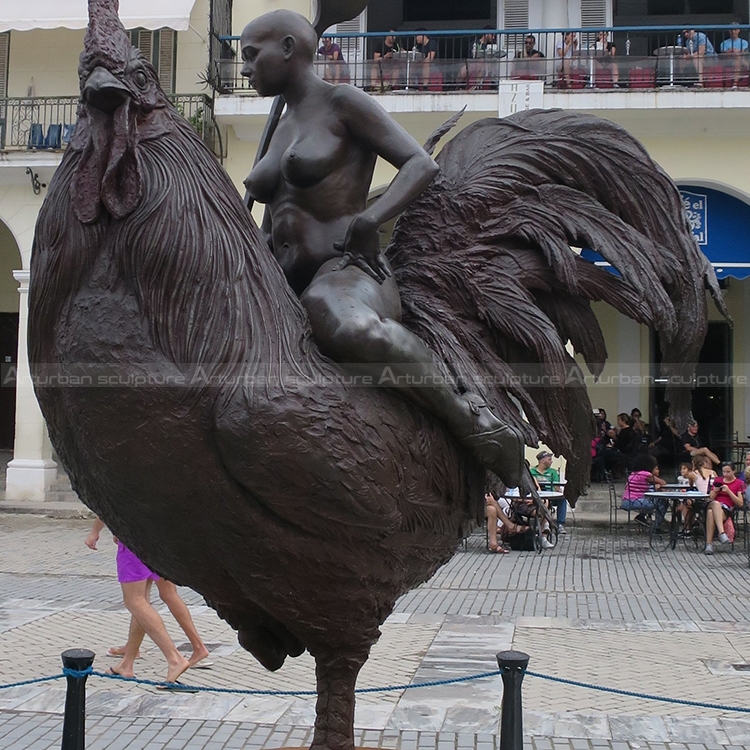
(216, 441)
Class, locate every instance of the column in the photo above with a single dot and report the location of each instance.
(32, 470)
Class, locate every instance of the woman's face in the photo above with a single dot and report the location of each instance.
(635, 414)
(728, 473)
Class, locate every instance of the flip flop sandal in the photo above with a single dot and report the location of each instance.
(178, 687)
(202, 664)
(117, 653)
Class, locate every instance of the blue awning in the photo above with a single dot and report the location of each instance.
(721, 226)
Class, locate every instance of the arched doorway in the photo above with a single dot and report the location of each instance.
(10, 260)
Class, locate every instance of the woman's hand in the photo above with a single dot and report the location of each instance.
(362, 249)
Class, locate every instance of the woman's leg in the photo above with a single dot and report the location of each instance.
(714, 520)
(356, 321)
(136, 598)
(180, 612)
(131, 650)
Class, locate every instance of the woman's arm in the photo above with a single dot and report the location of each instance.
(370, 124)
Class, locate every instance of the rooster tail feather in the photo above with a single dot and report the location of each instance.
(491, 275)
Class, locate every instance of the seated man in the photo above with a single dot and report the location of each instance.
(736, 49)
(693, 445)
(548, 479)
(485, 46)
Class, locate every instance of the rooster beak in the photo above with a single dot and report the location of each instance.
(103, 91)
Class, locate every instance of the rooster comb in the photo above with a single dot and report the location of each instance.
(106, 38)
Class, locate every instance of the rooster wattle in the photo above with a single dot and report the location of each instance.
(208, 431)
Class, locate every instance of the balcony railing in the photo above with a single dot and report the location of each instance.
(635, 57)
(46, 123)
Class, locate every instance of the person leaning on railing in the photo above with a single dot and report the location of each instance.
(698, 47)
(485, 45)
(736, 49)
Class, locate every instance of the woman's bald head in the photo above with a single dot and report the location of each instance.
(280, 24)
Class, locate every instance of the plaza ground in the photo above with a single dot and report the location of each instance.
(599, 609)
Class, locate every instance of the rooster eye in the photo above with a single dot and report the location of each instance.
(140, 79)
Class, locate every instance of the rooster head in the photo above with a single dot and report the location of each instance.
(122, 104)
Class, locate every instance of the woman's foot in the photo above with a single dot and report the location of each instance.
(120, 671)
(176, 668)
(498, 548)
(198, 655)
(120, 651)
(497, 445)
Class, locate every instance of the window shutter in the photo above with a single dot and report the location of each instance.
(4, 50)
(594, 13)
(145, 43)
(352, 49)
(516, 14)
(166, 63)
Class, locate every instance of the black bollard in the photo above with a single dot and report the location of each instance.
(74, 724)
(513, 665)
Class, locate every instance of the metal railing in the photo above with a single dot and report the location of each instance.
(477, 60)
(46, 123)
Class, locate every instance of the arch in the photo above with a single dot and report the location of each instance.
(720, 187)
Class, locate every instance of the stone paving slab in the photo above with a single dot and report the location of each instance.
(598, 609)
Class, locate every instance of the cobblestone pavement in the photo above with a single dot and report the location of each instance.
(598, 609)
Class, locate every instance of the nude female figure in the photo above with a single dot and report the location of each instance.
(314, 180)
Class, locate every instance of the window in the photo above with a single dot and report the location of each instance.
(160, 49)
(447, 10)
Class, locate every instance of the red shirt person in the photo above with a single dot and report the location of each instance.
(727, 494)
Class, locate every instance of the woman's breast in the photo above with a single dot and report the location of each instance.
(263, 182)
(308, 161)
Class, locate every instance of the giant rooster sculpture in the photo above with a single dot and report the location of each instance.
(220, 452)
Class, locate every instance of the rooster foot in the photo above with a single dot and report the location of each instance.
(499, 448)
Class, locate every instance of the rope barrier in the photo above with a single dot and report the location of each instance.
(389, 688)
(646, 696)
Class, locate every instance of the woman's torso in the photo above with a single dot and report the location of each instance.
(314, 180)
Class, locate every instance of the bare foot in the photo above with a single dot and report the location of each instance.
(120, 651)
(120, 671)
(198, 655)
(180, 666)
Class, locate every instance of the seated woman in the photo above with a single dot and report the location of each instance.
(727, 494)
(496, 510)
(314, 179)
(641, 480)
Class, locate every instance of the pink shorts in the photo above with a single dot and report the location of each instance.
(129, 568)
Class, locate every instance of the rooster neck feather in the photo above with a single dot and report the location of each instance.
(207, 285)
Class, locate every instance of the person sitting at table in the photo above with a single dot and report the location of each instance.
(485, 46)
(425, 46)
(331, 53)
(736, 49)
(692, 444)
(566, 49)
(549, 479)
(638, 424)
(529, 50)
(603, 48)
(620, 452)
(698, 47)
(496, 511)
(641, 480)
(727, 494)
(383, 51)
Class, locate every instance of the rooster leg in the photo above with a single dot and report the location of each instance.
(336, 675)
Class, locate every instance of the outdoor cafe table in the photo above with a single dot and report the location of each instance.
(675, 497)
(670, 52)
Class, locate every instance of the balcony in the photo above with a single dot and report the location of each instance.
(45, 124)
(640, 58)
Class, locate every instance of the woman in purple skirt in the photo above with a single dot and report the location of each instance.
(136, 580)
